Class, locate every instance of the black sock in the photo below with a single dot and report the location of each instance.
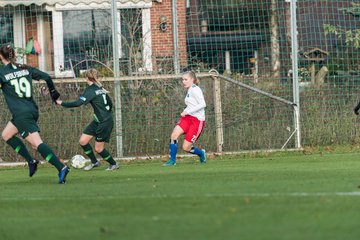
(107, 157)
(50, 156)
(90, 153)
(20, 148)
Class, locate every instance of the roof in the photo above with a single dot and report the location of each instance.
(316, 54)
(61, 2)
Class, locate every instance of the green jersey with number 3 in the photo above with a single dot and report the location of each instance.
(99, 100)
(16, 85)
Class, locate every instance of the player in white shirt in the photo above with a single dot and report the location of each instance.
(192, 120)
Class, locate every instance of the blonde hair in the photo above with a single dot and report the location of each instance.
(192, 75)
(92, 76)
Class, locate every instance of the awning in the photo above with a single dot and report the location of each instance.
(4, 3)
(225, 42)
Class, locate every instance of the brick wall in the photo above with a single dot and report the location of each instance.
(162, 42)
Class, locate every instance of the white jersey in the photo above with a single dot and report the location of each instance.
(195, 103)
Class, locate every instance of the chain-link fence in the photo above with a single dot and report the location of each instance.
(306, 52)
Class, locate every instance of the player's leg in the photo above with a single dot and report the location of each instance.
(189, 147)
(9, 137)
(103, 134)
(176, 133)
(47, 153)
(84, 142)
(191, 137)
(104, 153)
(36, 142)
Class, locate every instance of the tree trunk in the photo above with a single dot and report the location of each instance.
(320, 77)
(313, 73)
(275, 45)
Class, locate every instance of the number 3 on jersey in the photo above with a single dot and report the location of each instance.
(22, 87)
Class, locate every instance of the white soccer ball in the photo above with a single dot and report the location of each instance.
(78, 161)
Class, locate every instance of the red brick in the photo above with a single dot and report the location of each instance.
(163, 41)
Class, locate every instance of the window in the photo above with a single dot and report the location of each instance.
(6, 28)
(87, 37)
(131, 39)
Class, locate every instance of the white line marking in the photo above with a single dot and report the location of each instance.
(207, 195)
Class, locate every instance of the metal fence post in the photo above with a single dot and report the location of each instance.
(117, 83)
(218, 115)
(294, 57)
(175, 37)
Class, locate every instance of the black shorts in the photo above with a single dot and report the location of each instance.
(100, 130)
(26, 123)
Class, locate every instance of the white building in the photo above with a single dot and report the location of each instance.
(72, 32)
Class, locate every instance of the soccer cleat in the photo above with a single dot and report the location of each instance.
(62, 174)
(203, 156)
(92, 165)
(33, 167)
(113, 167)
(170, 163)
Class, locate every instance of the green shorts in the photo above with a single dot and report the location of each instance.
(26, 123)
(100, 130)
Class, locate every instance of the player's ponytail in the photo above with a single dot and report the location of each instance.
(92, 75)
(8, 53)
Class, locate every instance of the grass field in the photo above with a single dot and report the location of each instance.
(281, 196)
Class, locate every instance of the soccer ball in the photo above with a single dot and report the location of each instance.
(78, 161)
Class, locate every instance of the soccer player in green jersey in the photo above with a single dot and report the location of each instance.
(16, 84)
(102, 124)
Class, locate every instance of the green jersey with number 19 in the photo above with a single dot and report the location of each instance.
(16, 85)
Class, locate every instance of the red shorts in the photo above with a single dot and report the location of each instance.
(192, 127)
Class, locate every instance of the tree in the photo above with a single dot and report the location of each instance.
(352, 36)
(275, 45)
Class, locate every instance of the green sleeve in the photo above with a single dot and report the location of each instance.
(73, 104)
(88, 95)
(1, 76)
(38, 75)
(85, 98)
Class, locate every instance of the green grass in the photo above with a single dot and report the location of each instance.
(281, 196)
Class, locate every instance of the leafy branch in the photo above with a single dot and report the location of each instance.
(354, 10)
(352, 36)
